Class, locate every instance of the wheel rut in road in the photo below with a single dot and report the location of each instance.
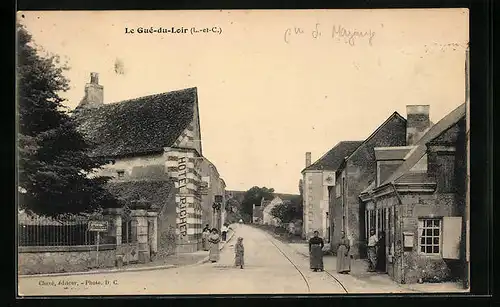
(272, 240)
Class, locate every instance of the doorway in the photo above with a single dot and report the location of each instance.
(382, 222)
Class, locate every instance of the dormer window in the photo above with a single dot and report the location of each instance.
(120, 173)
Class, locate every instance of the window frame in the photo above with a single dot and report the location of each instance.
(422, 227)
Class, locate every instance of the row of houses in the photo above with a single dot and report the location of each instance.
(408, 182)
(155, 159)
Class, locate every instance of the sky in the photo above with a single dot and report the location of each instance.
(272, 85)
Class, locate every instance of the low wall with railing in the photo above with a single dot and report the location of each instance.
(59, 259)
(47, 245)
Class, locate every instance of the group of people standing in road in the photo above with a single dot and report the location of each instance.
(375, 247)
(211, 240)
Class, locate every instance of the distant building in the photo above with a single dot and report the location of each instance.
(258, 211)
(267, 217)
(418, 200)
(318, 178)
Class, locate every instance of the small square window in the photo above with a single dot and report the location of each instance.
(430, 236)
(120, 173)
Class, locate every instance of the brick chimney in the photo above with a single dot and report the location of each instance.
(308, 159)
(94, 93)
(417, 122)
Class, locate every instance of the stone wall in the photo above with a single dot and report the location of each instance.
(166, 228)
(315, 204)
(129, 252)
(183, 165)
(209, 173)
(361, 171)
(59, 259)
(336, 213)
(407, 265)
(148, 166)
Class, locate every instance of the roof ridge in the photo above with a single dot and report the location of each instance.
(328, 151)
(148, 96)
(394, 114)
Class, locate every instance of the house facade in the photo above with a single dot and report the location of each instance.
(258, 211)
(317, 180)
(212, 185)
(420, 204)
(356, 172)
(267, 218)
(148, 139)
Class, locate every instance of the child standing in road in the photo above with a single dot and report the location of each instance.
(239, 252)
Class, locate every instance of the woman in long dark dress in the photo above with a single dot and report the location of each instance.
(343, 260)
(316, 245)
(214, 240)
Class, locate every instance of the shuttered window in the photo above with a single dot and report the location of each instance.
(452, 237)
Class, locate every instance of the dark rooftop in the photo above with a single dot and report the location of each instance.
(137, 126)
(334, 158)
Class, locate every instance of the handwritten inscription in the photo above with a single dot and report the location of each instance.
(336, 32)
(174, 30)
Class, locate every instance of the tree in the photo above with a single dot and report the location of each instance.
(255, 196)
(56, 175)
(231, 205)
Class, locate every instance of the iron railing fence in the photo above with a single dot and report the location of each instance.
(69, 231)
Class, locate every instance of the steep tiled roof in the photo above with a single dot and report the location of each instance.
(420, 149)
(374, 133)
(137, 126)
(155, 192)
(335, 156)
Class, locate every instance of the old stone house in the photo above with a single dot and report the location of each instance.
(258, 211)
(212, 186)
(153, 145)
(317, 179)
(354, 174)
(419, 201)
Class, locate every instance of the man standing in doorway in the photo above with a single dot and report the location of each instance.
(372, 251)
(224, 232)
